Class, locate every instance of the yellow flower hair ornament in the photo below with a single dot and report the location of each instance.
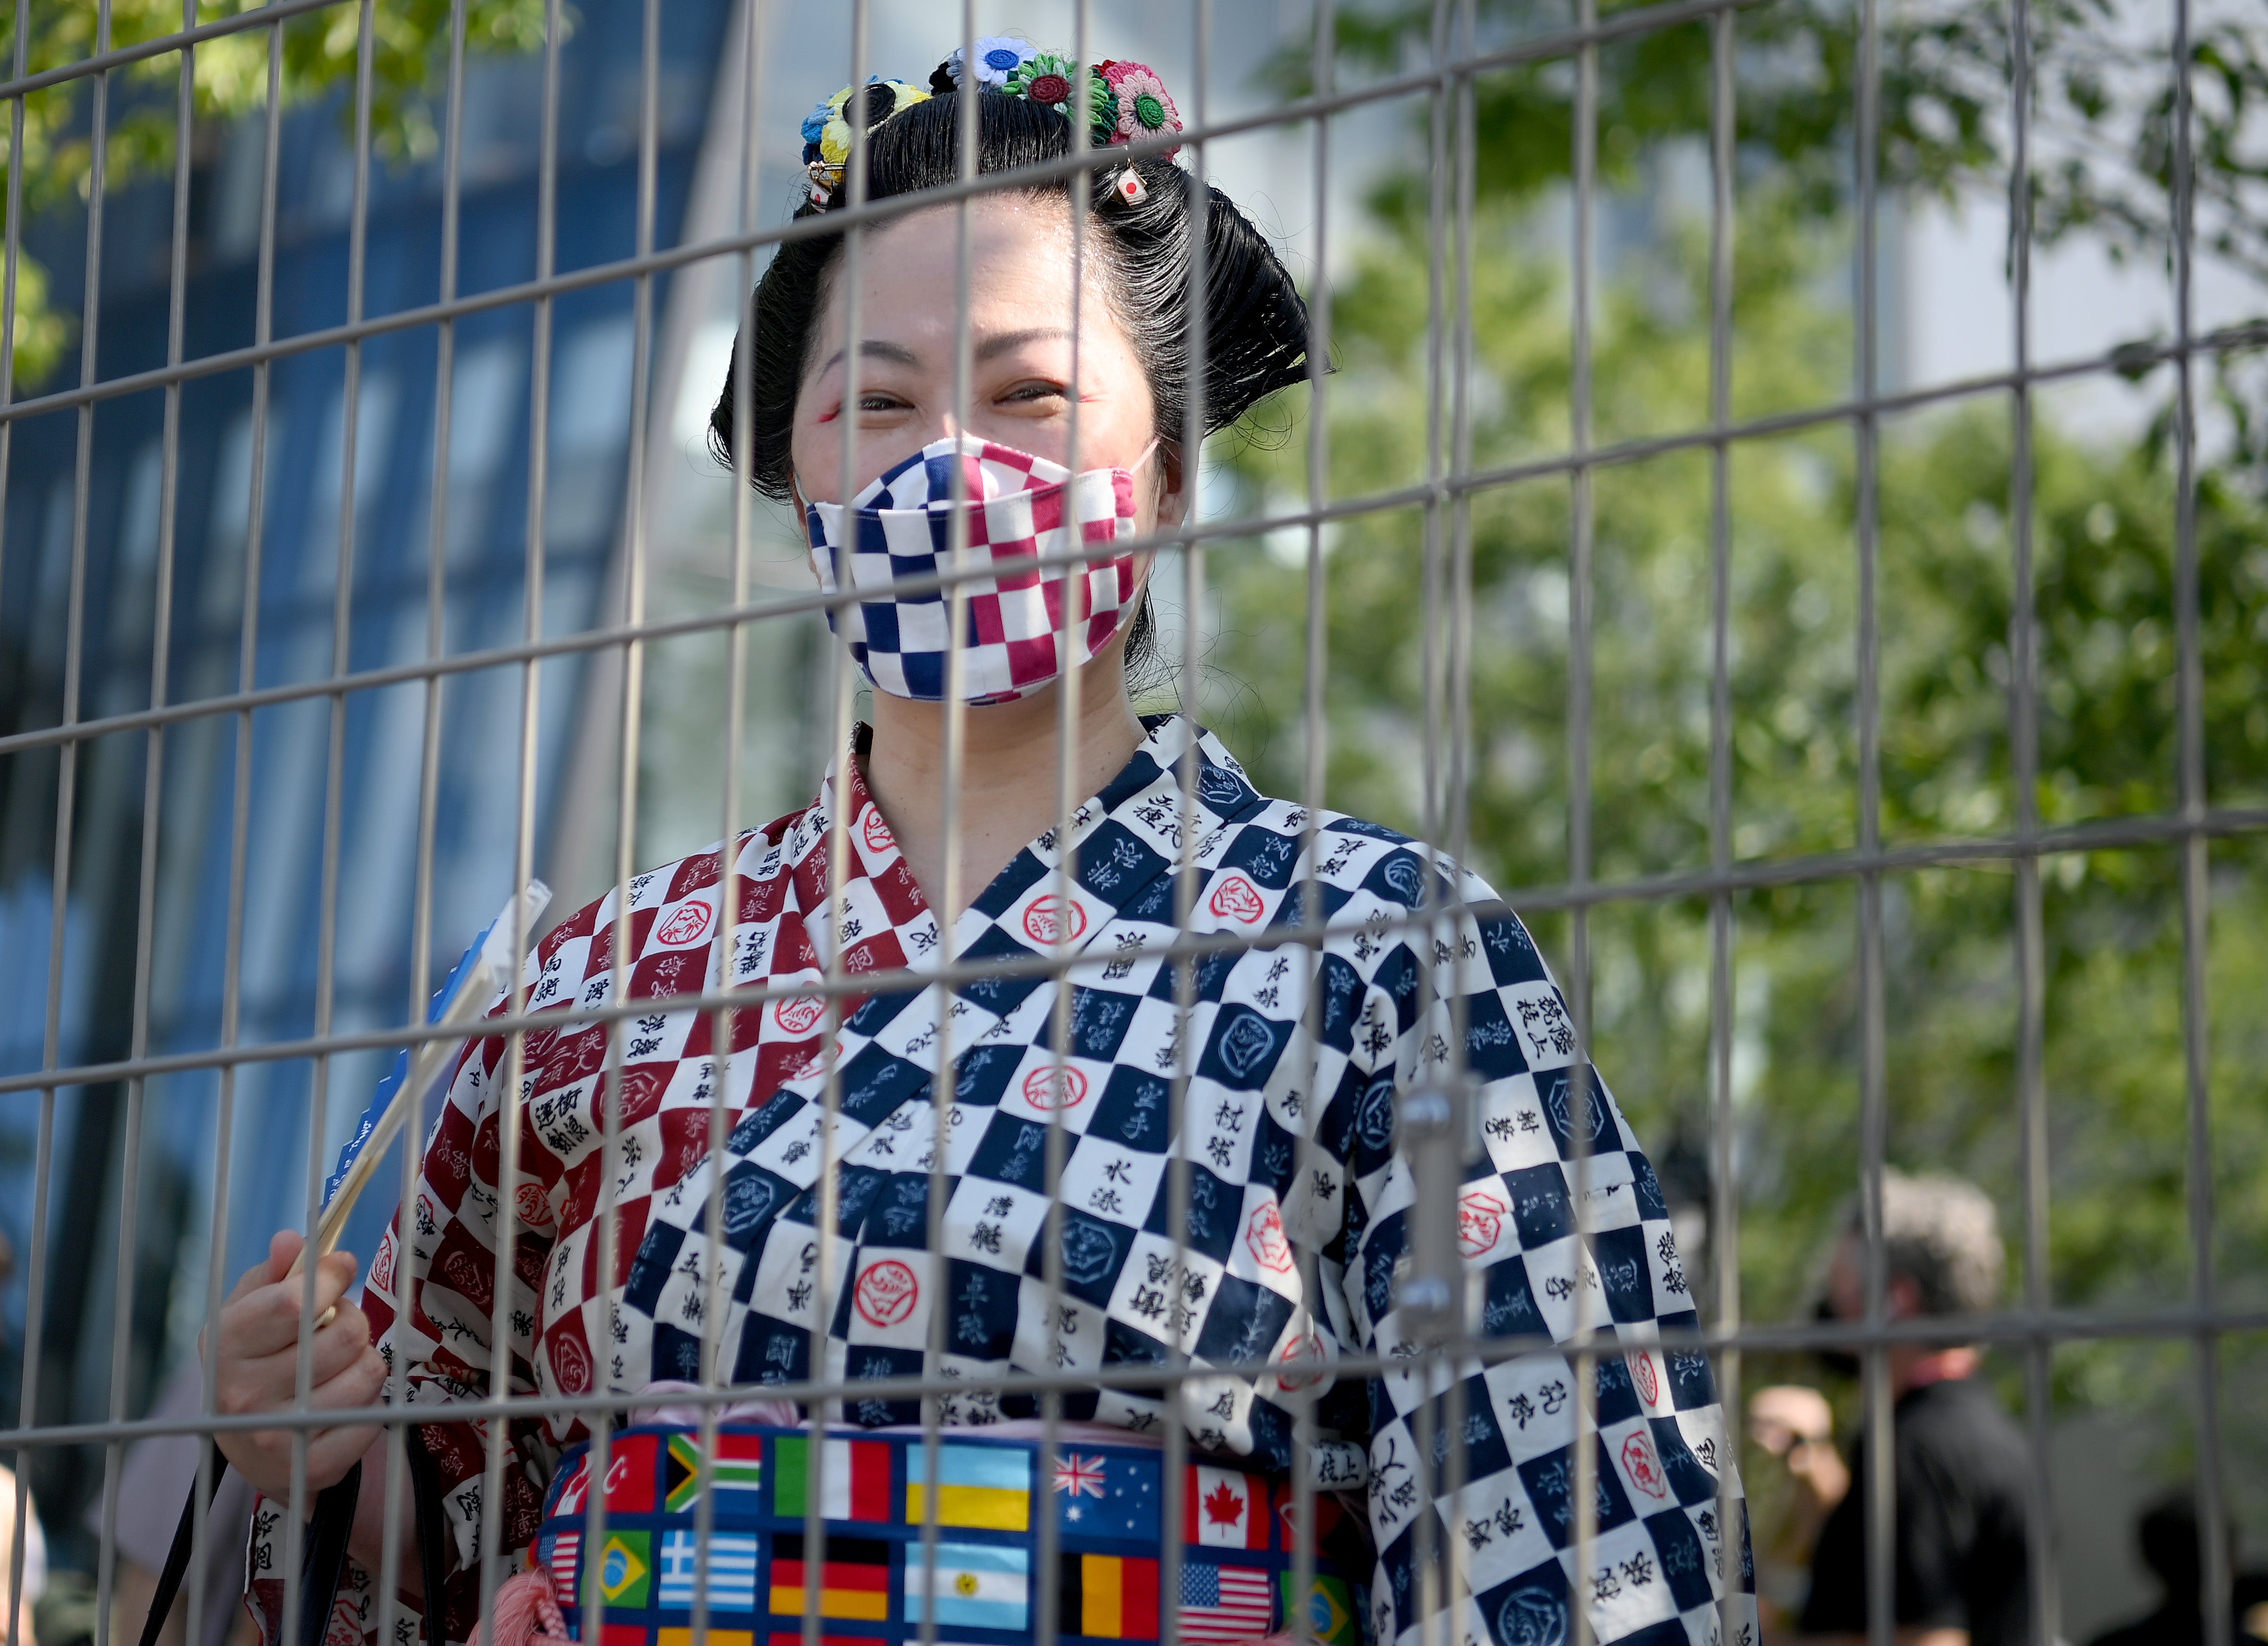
(827, 129)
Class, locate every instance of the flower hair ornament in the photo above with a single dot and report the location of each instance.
(827, 129)
(1123, 101)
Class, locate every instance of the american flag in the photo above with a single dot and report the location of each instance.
(1080, 1476)
(1225, 1603)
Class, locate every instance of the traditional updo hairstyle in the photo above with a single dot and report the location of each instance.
(1256, 325)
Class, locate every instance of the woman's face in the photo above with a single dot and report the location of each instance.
(1021, 346)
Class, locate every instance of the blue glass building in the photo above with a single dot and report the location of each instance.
(290, 590)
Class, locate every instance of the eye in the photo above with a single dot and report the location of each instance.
(1028, 393)
(880, 400)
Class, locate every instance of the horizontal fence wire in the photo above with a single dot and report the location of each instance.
(1230, 528)
(628, 631)
(2002, 1326)
(2108, 835)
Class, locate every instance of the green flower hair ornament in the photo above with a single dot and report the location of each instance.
(1125, 101)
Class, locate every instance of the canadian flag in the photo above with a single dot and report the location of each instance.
(1226, 1507)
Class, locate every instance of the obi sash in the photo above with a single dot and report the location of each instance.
(877, 1582)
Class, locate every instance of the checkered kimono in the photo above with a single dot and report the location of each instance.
(1292, 1169)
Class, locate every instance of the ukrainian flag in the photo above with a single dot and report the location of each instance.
(977, 1486)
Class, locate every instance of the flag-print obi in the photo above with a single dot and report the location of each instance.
(982, 1579)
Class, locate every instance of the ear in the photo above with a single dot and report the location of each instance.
(1173, 495)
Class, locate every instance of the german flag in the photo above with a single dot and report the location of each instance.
(854, 1584)
(1108, 1596)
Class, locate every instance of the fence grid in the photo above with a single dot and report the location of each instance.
(1458, 60)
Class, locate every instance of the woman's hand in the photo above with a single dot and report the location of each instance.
(259, 1368)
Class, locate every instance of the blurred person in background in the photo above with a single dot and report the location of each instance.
(1962, 1465)
(2168, 1536)
(159, 1471)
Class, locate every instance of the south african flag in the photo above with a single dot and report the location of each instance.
(737, 1466)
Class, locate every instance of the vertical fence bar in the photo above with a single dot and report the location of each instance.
(399, 1437)
(1315, 727)
(2023, 739)
(1070, 652)
(336, 749)
(1580, 574)
(725, 974)
(152, 800)
(1173, 1397)
(1724, 1248)
(247, 673)
(1454, 939)
(853, 192)
(11, 257)
(43, 1148)
(1881, 1504)
(2196, 890)
(67, 773)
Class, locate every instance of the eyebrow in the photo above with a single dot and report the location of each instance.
(874, 348)
(898, 354)
(1002, 342)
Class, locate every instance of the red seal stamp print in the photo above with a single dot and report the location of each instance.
(1045, 1092)
(1264, 1235)
(687, 925)
(877, 832)
(1237, 899)
(534, 1206)
(1301, 1351)
(801, 1015)
(571, 1362)
(1480, 1221)
(888, 1292)
(459, 1269)
(1648, 1381)
(1644, 1469)
(381, 1267)
(1051, 920)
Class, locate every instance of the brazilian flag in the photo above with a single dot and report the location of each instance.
(1330, 1612)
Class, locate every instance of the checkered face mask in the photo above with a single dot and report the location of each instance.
(1018, 508)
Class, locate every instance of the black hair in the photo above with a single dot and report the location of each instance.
(1256, 325)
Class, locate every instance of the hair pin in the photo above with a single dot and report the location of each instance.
(1129, 186)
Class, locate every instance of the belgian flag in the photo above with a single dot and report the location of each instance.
(1108, 1596)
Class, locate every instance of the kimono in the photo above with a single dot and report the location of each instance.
(1297, 1058)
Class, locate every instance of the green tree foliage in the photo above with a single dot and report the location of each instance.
(2103, 542)
(319, 51)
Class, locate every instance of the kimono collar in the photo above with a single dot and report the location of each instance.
(877, 879)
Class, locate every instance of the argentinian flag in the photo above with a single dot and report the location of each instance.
(976, 1586)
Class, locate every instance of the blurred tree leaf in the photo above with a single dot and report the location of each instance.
(2103, 527)
(409, 41)
(2101, 118)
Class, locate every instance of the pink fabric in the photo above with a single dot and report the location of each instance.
(524, 1613)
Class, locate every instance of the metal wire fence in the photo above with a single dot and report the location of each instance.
(1457, 58)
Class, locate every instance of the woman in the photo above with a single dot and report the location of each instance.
(1287, 1175)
